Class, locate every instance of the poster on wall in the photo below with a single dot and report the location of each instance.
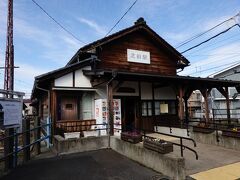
(12, 112)
(101, 114)
(117, 116)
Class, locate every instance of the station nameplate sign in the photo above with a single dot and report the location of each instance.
(138, 56)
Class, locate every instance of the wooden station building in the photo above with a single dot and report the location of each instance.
(134, 65)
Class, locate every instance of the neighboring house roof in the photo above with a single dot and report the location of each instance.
(229, 68)
(139, 25)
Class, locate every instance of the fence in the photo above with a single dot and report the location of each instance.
(13, 145)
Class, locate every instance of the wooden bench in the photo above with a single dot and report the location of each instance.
(65, 126)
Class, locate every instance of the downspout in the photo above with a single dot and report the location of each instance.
(48, 91)
(114, 74)
(49, 114)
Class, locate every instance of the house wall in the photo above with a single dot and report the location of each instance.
(164, 93)
(74, 79)
(146, 91)
(64, 81)
(219, 101)
(81, 80)
(113, 55)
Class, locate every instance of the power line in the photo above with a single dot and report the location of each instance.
(218, 54)
(217, 60)
(211, 44)
(59, 24)
(216, 67)
(203, 33)
(121, 18)
(222, 45)
(210, 38)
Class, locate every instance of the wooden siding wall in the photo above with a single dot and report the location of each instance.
(114, 56)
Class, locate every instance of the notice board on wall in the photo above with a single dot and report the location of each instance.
(12, 112)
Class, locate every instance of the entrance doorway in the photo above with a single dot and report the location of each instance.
(129, 110)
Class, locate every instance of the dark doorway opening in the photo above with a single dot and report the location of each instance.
(130, 114)
(129, 106)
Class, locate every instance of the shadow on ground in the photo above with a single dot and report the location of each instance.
(100, 165)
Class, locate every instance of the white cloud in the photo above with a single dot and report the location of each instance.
(59, 45)
(101, 30)
(24, 76)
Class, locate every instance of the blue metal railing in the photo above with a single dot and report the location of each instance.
(15, 137)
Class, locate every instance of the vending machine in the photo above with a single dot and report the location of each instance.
(101, 115)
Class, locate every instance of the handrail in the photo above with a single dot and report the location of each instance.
(214, 123)
(186, 138)
(16, 149)
(29, 130)
(195, 152)
(182, 146)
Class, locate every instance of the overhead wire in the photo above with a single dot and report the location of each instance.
(214, 43)
(205, 32)
(215, 67)
(58, 23)
(222, 32)
(217, 60)
(121, 18)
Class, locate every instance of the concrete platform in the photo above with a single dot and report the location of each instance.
(95, 165)
(210, 156)
(228, 172)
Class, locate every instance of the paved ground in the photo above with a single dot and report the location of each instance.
(209, 156)
(94, 165)
(228, 172)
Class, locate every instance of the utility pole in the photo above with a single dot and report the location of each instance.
(9, 57)
(8, 84)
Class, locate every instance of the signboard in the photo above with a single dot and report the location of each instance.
(12, 112)
(138, 56)
(164, 108)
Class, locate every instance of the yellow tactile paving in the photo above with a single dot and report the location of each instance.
(228, 172)
(166, 138)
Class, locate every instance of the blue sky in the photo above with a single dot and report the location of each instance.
(41, 46)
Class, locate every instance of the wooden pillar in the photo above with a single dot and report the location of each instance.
(110, 108)
(37, 135)
(26, 139)
(54, 113)
(224, 92)
(180, 105)
(205, 96)
(186, 97)
(186, 110)
(8, 148)
(153, 108)
(228, 105)
(140, 106)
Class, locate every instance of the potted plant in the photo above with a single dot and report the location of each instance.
(234, 132)
(132, 137)
(203, 127)
(158, 145)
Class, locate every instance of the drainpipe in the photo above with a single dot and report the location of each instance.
(114, 74)
(49, 114)
(48, 91)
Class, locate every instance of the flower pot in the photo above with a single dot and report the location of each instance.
(160, 146)
(131, 137)
(230, 133)
(206, 130)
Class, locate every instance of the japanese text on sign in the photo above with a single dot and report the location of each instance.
(138, 56)
(12, 112)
